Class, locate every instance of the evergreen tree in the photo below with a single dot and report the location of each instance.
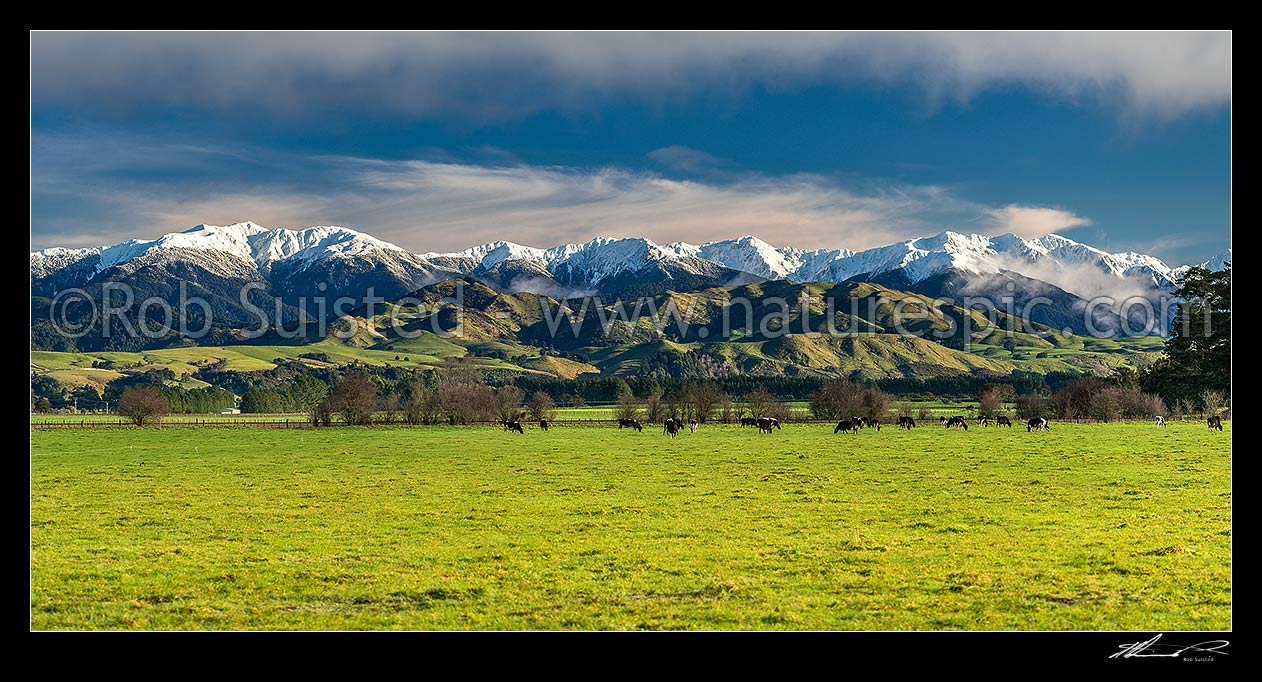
(1198, 352)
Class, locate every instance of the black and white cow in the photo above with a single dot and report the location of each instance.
(958, 422)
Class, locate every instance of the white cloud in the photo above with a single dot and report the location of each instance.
(430, 206)
(1032, 221)
(509, 75)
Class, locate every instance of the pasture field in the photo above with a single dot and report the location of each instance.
(1085, 527)
(799, 408)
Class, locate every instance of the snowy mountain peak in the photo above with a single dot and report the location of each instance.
(243, 229)
(753, 255)
(493, 253)
(1218, 262)
(1071, 265)
(246, 241)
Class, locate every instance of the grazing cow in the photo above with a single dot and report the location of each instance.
(957, 422)
(984, 421)
(906, 423)
(847, 425)
(1161, 421)
(766, 424)
(873, 423)
(1003, 421)
(543, 424)
(749, 421)
(1037, 424)
(942, 421)
(514, 426)
(629, 424)
(672, 427)
(1215, 423)
(694, 425)
(859, 422)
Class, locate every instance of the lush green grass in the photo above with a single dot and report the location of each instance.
(801, 407)
(1085, 527)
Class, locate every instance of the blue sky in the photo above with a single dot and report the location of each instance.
(440, 141)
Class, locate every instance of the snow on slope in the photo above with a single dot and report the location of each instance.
(591, 262)
(1218, 262)
(245, 241)
(1050, 258)
(489, 255)
(56, 259)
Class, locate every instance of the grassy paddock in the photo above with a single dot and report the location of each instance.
(1085, 527)
(799, 408)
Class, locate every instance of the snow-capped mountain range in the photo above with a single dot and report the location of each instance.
(295, 261)
(244, 241)
(297, 271)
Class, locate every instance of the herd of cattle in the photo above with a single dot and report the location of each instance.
(672, 427)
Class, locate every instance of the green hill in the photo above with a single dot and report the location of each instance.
(769, 329)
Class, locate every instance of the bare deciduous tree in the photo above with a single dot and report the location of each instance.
(701, 398)
(728, 411)
(465, 403)
(654, 408)
(874, 403)
(1031, 405)
(321, 414)
(1180, 408)
(1106, 404)
(991, 398)
(759, 402)
(143, 405)
(389, 405)
(1213, 402)
(508, 403)
(354, 397)
(421, 405)
(837, 399)
(541, 406)
(628, 407)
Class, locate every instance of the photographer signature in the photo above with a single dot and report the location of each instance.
(1152, 649)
